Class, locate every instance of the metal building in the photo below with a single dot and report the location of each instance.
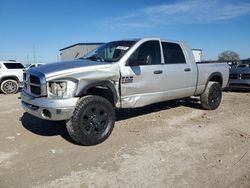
(197, 54)
(77, 50)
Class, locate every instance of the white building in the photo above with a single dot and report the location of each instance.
(77, 50)
(197, 54)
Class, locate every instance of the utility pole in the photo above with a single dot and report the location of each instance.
(28, 60)
(34, 54)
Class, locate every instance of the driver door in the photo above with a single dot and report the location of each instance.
(142, 76)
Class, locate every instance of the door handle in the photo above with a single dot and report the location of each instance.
(187, 69)
(158, 72)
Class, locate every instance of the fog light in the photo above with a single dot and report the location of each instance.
(46, 113)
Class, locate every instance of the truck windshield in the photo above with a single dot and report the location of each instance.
(109, 52)
(244, 65)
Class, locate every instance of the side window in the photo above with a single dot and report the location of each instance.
(147, 54)
(13, 65)
(172, 53)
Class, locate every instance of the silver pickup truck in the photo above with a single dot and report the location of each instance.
(120, 74)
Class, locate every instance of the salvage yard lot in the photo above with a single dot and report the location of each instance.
(172, 144)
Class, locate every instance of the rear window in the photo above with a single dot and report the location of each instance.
(173, 53)
(13, 65)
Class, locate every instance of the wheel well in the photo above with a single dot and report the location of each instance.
(103, 92)
(216, 78)
(9, 78)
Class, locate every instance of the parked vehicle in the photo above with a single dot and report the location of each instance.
(33, 65)
(11, 76)
(239, 77)
(119, 74)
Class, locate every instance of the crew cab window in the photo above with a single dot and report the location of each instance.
(172, 53)
(147, 54)
(13, 65)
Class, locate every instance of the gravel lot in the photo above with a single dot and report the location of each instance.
(172, 144)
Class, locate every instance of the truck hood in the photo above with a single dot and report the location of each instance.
(68, 67)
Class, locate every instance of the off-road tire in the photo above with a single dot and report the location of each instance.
(92, 121)
(9, 86)
(211, 98)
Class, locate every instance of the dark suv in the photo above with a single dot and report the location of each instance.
(239, 77)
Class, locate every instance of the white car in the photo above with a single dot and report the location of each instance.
(33, 65)
(11, 76)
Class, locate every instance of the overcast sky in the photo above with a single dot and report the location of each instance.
(40, 28)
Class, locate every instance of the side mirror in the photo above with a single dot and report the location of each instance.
(132, 62)
(137, 62)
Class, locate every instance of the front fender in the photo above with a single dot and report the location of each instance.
(107, 84)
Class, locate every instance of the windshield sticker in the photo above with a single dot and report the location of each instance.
(122, 47)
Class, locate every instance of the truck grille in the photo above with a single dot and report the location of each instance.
(233, 76)
(239, 76)
(35, 89)
(34, 79)
(245, 76)
(34, 83)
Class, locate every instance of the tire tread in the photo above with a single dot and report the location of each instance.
(204, 97)
(74, 131)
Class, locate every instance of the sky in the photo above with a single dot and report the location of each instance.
(34, 30)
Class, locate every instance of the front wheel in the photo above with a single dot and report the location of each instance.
(92, 121)
(211, 97)
(9, 86)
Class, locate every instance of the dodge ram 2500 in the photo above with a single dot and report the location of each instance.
(120, 74)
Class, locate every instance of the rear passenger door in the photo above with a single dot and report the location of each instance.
(178, 73)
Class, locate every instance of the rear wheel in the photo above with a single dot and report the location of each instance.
(211, 98)
(9, 86)
(92, 121)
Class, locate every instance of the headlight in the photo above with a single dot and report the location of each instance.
(62, 89)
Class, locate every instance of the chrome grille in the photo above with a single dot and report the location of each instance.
(34, 79)
(233, 76)
(245, 76)
(239, 76)
(35, 83)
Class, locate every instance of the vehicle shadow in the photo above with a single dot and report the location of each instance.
(46, 128)
(58, 128)
(123, 114)
(236, 90)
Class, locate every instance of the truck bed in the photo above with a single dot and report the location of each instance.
(206, 69)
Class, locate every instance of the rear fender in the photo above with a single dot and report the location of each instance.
(217, 77)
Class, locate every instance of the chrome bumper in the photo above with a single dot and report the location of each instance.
(49, 109)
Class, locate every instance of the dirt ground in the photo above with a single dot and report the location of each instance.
(172, 144)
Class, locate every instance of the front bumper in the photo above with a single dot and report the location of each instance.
(239, 84)
(48, 108)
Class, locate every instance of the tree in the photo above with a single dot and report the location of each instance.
(229, 56)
